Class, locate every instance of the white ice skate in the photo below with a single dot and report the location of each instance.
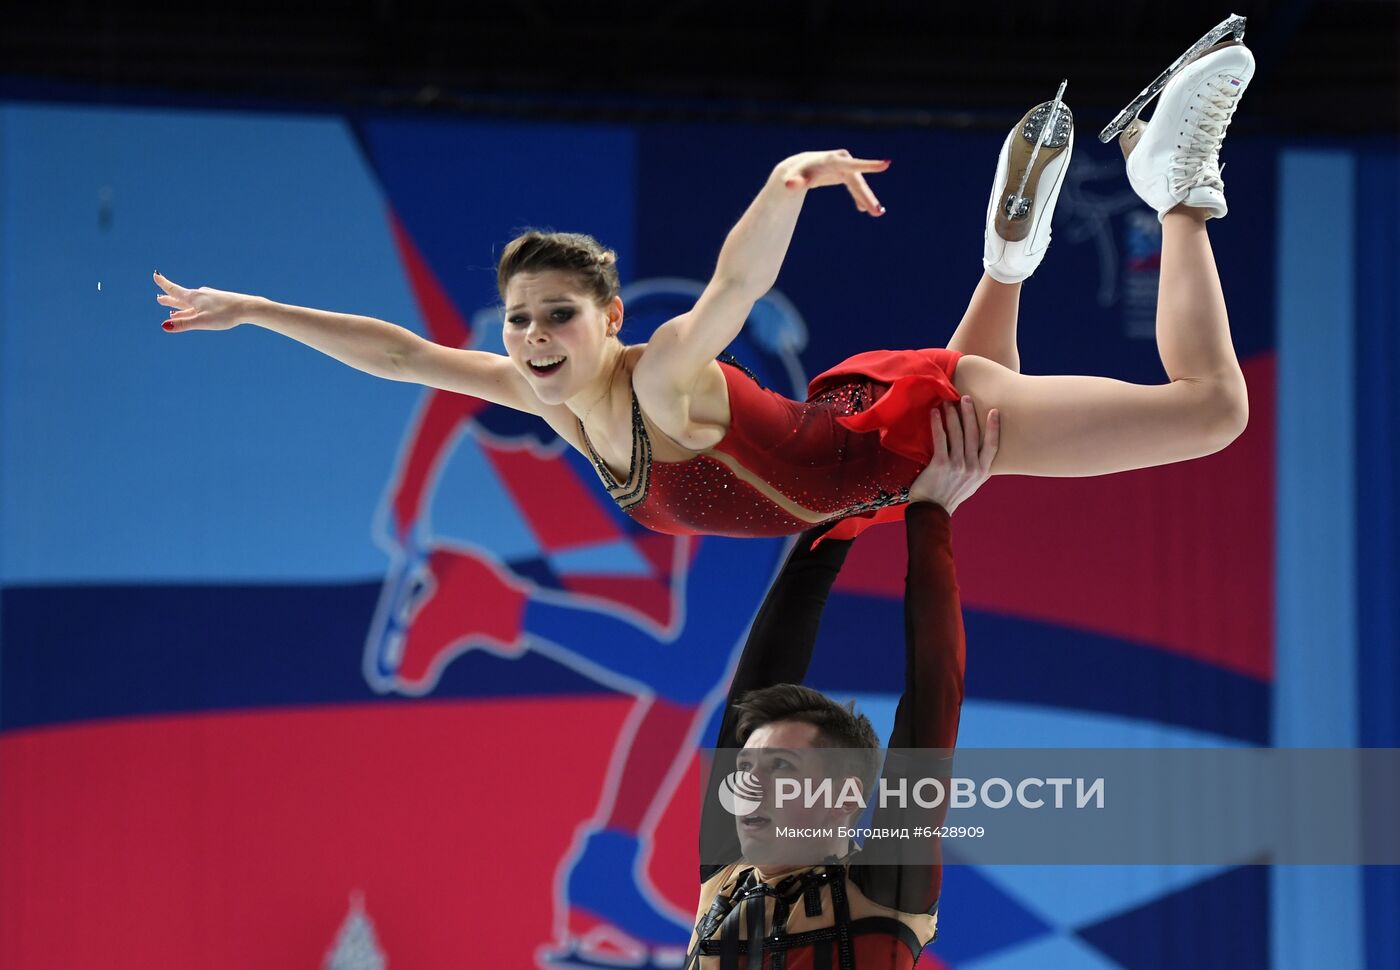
(1032, 165)
(1175, 157)
(1232, 26)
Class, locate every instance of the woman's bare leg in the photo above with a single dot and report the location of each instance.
(988, 328)
(1079, 426)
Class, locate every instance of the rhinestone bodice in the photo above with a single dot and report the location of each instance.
(782, 466)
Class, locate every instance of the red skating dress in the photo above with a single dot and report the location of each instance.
(849, 452)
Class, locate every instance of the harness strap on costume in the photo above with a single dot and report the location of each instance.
(756, 909)
(841, 918)
(780, 916)
(746, 907)
(706, 928)
(729, 935)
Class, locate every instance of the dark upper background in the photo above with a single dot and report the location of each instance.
(1324, 67)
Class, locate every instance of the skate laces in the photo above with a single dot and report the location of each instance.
(1198, 161)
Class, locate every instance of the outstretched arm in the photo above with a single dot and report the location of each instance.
(778, 651)
(934, 651)
(373, 346)
(748, 265)
(934, 646)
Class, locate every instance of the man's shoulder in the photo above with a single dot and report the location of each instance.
(709, 889)
(717, 879)
(924, 925)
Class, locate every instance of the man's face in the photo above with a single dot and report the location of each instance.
(788, 751)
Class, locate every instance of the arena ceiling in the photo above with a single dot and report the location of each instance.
(1324, 67)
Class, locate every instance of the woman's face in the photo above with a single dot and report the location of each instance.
(556, 334)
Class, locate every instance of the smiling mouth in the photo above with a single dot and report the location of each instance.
(547, 365)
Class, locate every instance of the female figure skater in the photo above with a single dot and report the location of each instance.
(686, 443)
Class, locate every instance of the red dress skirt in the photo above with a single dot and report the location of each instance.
(848, 453)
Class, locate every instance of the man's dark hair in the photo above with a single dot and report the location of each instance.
(838, 726)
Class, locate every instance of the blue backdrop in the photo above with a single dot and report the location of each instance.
(212, 541)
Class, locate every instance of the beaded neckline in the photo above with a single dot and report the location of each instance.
(634, 490)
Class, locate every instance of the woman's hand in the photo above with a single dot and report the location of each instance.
(812, 170)
(962, 456)
(202, 309)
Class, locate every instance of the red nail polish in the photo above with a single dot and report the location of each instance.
(167, 325)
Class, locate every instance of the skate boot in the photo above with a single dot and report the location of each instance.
(1228, 31)
(1030, 169)
(1174, 158)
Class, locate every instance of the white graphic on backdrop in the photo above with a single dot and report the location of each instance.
(356, 946)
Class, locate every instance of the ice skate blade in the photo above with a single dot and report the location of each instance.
(1232, 27)
(1034, 149)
